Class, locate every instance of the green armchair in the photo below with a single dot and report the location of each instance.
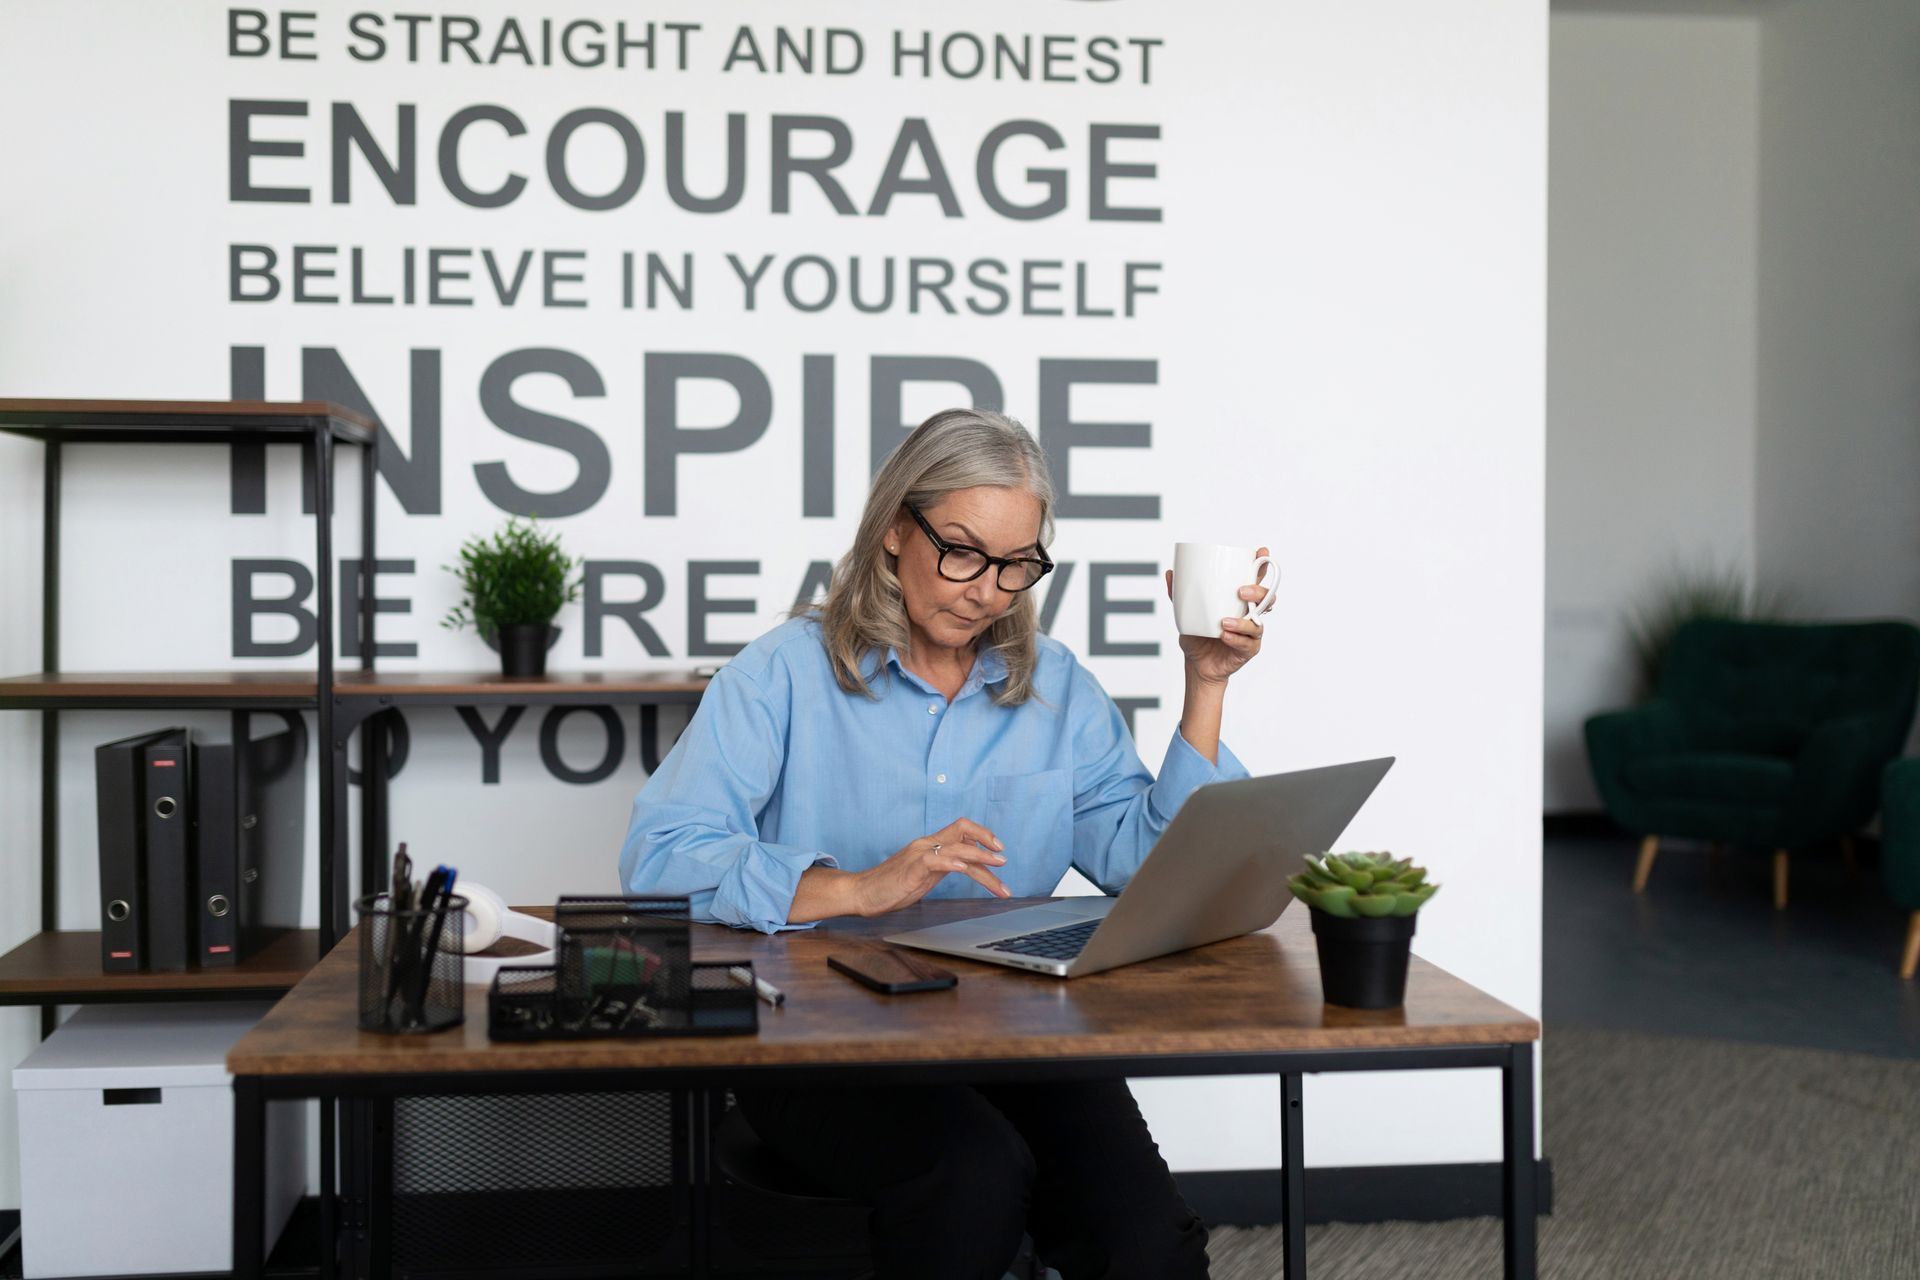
(1900, 849)
(1761, 733)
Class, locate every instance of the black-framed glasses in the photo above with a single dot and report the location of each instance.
(962, 563)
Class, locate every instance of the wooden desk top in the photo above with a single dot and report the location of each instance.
(1254, 994)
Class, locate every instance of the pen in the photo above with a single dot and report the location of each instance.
(433, 899)
(762, 988)
(399, 898)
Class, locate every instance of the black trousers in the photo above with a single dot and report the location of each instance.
(955, 1173)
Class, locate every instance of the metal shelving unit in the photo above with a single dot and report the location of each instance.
(62, 967)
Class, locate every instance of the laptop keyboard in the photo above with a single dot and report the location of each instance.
(1063, 943)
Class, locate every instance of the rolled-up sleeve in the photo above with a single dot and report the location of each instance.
(695, 829)
(1119, 809)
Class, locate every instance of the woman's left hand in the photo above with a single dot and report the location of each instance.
(1214, 659)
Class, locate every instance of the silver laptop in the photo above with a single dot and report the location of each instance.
(1219, 870)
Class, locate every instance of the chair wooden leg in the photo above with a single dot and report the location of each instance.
(1648, 847)
(1910, 960)
(1846, 853)
(1779, 879)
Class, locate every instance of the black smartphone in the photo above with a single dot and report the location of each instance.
(893, 971)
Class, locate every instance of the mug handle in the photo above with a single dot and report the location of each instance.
(1260, 567)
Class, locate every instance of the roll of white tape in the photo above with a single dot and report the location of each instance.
(489, 920)
(486, 914)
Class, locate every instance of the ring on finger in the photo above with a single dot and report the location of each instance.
(936, 846)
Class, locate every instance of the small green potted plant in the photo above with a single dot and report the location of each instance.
(1694, 594)
(1363, 907)
(512, 585)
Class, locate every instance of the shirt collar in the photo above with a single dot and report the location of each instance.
(988, 668)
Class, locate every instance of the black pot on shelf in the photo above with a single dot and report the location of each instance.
(523, 648)
(1363, 961)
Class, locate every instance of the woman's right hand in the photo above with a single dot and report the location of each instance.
(909, 875)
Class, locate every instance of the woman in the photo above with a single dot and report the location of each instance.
(914, 736)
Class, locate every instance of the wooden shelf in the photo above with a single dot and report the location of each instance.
(403, 686)
(111, 689)
(182, 421)
(64, 968)
(295, 689)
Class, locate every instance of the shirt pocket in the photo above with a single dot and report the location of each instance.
(1032, 813)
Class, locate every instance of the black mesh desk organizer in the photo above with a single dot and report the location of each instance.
(624, 970)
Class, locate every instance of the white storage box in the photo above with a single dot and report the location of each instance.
(126, 1143)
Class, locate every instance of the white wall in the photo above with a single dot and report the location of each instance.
(1652, 260)
(1839, 406)
(1349, 344)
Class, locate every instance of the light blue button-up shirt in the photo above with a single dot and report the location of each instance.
(781, 770)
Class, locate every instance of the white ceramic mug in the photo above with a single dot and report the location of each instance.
(1207, 581)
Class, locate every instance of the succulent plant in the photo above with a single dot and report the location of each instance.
(1362, 884)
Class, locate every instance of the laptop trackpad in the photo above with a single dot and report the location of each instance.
(1012, 924)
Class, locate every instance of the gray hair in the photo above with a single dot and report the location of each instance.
(863, 612)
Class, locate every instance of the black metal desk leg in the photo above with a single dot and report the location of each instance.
(329, 1201)
(1293, 1177)
(1518, 1175)
(249, 1179)
(699, 1111)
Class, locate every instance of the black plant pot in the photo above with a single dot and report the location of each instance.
(1363, 961)
(523, 648)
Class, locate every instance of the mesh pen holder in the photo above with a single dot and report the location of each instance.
(633, 953)
(410, 981)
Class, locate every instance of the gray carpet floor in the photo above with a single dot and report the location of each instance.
(1703, 953)
(1677, 1159)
